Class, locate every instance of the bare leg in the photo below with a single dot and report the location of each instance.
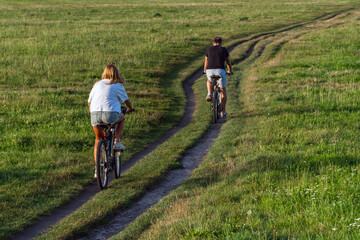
(99, 135)
(223, 98)
(119, 127)
(208, 84)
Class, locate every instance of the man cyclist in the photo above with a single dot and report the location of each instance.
(215, 58)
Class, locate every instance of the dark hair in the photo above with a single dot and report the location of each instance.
(217, 40)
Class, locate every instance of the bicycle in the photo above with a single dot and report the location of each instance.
(107, 159)
(216, 106)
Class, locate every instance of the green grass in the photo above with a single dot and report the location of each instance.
(52, 52)
(286, 164)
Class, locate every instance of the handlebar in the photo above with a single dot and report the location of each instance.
(124, 109)
(204, 73)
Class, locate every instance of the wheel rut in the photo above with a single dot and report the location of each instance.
(171, 181)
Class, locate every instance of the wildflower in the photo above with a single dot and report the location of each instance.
(249, 212)
(358, 219)
(334, 229)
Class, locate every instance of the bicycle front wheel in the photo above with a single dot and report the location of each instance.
(117, 164)
(102, 161)
(214, 107)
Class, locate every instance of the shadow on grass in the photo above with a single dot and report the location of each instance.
(291, 109)
(199, 182)
(18, 173)
(293, 164)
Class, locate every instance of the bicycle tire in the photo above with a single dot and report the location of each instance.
(219, 108)
(102, 158)
(214, 107)
(117, 164)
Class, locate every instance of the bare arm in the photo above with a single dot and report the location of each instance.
(89, 106)
(129, 105)
(228, 63)
(205, 64)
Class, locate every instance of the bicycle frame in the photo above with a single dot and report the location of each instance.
(109, 134)
(107, 159)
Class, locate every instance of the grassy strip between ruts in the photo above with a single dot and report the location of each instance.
(286, 164)
(136, 228)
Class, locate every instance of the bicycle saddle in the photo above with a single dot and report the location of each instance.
(216, 77)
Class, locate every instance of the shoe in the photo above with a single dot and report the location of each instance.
(95, 175)
(119, 146)
(223, 114)
(208, 98)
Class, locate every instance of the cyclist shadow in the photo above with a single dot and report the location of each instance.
(220, 121)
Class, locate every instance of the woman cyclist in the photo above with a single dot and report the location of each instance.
(105, 101)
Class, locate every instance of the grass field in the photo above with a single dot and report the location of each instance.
(51, 54)
(286, 165)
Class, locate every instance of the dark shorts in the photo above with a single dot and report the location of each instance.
(100, 118)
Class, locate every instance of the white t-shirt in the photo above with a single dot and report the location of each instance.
(106, 97)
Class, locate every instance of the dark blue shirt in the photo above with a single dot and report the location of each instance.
(216, 57)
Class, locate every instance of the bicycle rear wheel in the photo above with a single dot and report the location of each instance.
(214, 107)
(219, 108)
(117, 164)
(102, 161)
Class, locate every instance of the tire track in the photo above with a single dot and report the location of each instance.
(171, 181)
(175, 177)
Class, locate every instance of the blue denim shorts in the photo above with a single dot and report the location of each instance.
(221, 72)
(100, 118)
